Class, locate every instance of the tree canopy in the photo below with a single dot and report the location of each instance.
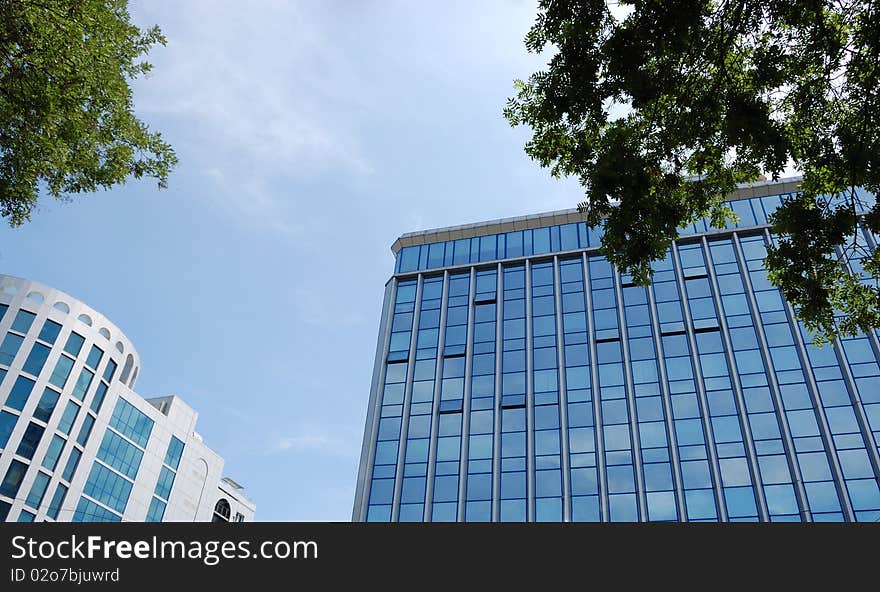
(66, 119)
(661, 107)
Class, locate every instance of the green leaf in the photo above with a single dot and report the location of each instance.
(67, 124)
(718, 94)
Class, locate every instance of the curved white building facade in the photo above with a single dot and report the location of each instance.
(76, 442)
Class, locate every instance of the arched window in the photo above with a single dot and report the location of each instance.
(105, 333)
(221, 511)
(36, 296)
(62, 306)
(126, 370)
(84, 318)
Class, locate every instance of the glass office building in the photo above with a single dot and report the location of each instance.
(519, 377)
(77, 444)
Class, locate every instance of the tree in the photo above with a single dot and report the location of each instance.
(66, 119)
(661, 107)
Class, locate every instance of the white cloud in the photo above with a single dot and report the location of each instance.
(250, 98)
(282, 110)
(309, 442)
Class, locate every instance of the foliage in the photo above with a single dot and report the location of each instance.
(661, 107)
(66, 119)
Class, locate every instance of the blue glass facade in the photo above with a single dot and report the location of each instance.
(76, 442)
(56, 429)
(115, 469)
(519, 377)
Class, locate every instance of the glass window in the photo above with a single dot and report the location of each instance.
(658, 477)
(661, 506)
(781, 500)
(94, 356)
(86, 430)
(36, 359)
(98, 399)
(82, 384)
(131, 423)
(74, 344)
(57, 501)
(386, 452)
(175, 451)
(764, 425)
(700, 504)
(89, 511)
(70, 413)
(107, 487)
(19, 393)
(9, 348)
(803, 423)
(72, 462)
(855, 464)
(822, 497)
(695, 474)
(740, 502)
(25, 516)
(110, 370)
(119, 454)
(689, 431)
(865, 494)
(749, 361)
(381, 491)
(50, 331)
(12, 481)
(23, 321)
(53, 453)
(126, 369)
(734, 471)
(7, 424)
(623, 508)
(156, 510)
(842, 420)
(814, 466)
(46, 405)
(165, 482)
(408, 258)
(31, 439)
(726, 429)
(61, 372)
(774, 469)
(38, 490)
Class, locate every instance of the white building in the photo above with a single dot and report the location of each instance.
(76, 442)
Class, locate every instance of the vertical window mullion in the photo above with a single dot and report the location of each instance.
(779, 403)
(666, 397)
(751, 454)
(496, 407)
(530, 399)
(407, 399)
(708, 433)
(435, 412)
(861, 418)
(563, 396)
(604, 509)
(631, 402)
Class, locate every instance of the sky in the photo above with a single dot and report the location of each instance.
(310, 136)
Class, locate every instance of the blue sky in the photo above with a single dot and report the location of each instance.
(310, 136)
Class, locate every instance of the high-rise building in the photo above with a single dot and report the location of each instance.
(76, 442)
(519, 377)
